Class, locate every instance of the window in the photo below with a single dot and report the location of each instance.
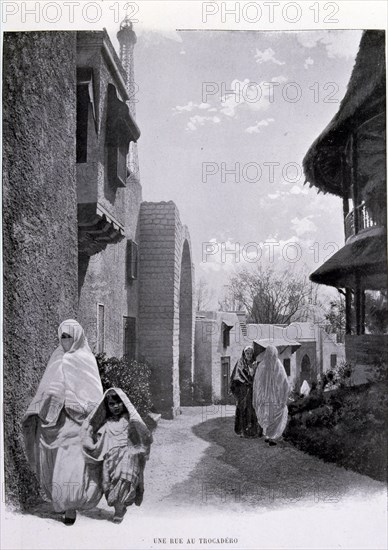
(100, 328)
(120, 130)
(130, 339)
(85, 109)
(226, 334)
(287, 366)
(333, 360)
(225, 376)
(132, 260)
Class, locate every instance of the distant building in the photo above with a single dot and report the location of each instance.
(348, 160)
(78, 240)
(305, 349)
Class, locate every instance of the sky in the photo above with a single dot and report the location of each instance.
(226, 118)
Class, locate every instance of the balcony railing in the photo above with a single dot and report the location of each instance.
(364, 221)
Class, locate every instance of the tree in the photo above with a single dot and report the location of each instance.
(376, 315)
(336, 318)
(274, 297)
(376, 312)
(228, 302)
(203, 295)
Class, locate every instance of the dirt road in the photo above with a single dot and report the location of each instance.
(203, 483)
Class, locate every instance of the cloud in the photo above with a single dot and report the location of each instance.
(308, 62)
(235, 99)
(267, 55)
(303, 225)
(182, 52)
(281, 79)
(221, 255)
(197, 120)
(248, 95)
(338, 43)
(262, 123)
(190, 106)
(296, 190)
(156, 36)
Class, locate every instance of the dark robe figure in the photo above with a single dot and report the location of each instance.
(241, 386)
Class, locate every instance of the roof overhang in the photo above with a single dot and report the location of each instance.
(365, 97)
(361, 262)
(96, 229)
(280, 344)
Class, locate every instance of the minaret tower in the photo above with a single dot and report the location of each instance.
(127, 40)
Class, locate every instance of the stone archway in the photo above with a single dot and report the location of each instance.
(186, 324)
(166, 305)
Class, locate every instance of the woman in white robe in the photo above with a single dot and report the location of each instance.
(69, 390)
(270, 394)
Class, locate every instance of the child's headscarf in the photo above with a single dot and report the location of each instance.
(138, 432)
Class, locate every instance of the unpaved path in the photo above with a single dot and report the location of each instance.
(199, 463)
(202, 480)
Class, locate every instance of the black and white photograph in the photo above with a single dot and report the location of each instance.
(194, 275)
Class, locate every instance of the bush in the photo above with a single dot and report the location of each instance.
(347, 428)
(132, 377)
(339, 376)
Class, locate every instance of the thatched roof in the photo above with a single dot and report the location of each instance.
(365, 97)
(364, 255)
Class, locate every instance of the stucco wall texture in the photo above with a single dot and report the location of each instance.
(39, 129)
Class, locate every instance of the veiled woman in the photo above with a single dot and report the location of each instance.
(270, 394)
(241, 384)
(68, 391)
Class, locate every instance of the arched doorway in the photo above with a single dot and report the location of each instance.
(305, 369)
(186, 327)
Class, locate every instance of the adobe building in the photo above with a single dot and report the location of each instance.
(305, 350)
(219, 342)
(78, 241)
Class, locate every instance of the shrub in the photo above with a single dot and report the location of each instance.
(347, 428)
(339, 376)
(132, 377)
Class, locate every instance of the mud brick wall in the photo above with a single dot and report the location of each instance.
(166, 322)
(39, 223)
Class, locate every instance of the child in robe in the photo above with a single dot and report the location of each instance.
(115, 434)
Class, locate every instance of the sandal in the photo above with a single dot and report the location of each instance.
(119, 515)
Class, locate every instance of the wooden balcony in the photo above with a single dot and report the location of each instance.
(96, 229)
(364, 221)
